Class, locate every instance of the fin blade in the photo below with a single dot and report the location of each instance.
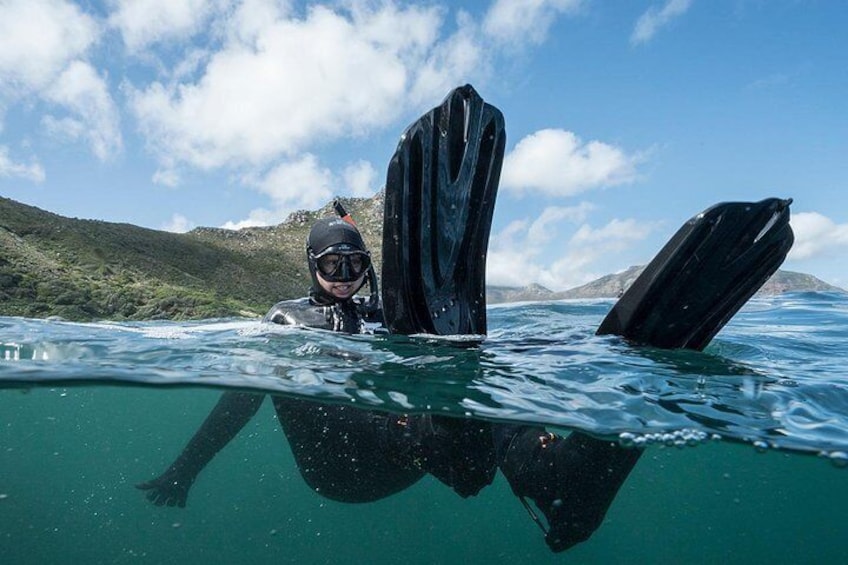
(441, 188)
(706, 272)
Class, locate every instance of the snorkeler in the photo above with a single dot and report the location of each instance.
(344, 453)
(354, 455)
(440, 195)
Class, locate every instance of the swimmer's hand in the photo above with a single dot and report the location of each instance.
(168, 489)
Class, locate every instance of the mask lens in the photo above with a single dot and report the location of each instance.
(358, 263)
(344, 266)
(329, 264)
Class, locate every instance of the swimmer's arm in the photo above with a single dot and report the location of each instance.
(229, 416)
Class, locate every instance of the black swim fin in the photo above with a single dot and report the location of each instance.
(440, 196)
(703, 275)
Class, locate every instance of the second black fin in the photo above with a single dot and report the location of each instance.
(703, 275)
(440, 197)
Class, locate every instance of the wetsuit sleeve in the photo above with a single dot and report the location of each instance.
(233, 411)
(300, 313)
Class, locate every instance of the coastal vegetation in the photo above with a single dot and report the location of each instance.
(86, 270)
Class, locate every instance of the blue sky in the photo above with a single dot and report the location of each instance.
(624, 119)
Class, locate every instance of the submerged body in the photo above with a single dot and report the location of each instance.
(355, 455)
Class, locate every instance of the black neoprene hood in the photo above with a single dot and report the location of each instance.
(327, 232)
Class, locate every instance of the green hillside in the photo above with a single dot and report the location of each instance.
(92, 270)
(85, 270)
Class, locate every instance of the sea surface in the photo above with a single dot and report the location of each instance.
(746, 461)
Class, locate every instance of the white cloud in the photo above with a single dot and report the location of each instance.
(544, 229)
(360, 178)
(11, 169)
(81, 91)
(523, 21)
(588, 246)
(257, 218)
(817, 235)
(298, 184)
(558, 163)
(511, 267)
(613, 235)
(43, 50)
(167, 177)
(179, 224)
(559, 249)
(38, 39)
(303, 184)
(270, 82)
(459, 58)
(251, 17)
(653, 19)
(510, 261)
(326, 75)
(145, 22)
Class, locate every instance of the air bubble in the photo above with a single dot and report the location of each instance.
(677, 438)
(839, 459)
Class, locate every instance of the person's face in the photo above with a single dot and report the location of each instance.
(340, 290)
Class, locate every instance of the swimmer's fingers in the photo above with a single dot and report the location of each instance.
(154, 493)
(165, 491)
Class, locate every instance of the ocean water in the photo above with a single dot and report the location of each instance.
(746, 461)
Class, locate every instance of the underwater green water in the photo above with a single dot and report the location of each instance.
(87, 411)
(70, 458)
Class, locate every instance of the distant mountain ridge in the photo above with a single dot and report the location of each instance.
(51, 265)
(612, 286)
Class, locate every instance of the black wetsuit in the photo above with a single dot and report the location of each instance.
(343, 453)
(354, 455)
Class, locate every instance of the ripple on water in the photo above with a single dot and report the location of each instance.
(772, 378)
